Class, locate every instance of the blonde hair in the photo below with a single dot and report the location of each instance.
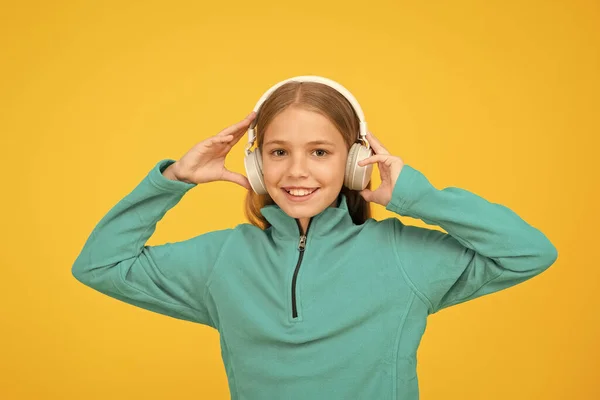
(327, 101)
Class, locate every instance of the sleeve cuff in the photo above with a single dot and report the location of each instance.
(403, 190)
(160, 181)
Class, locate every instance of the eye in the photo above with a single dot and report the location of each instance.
(276, 151)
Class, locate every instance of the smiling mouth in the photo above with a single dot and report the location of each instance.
(300, 192)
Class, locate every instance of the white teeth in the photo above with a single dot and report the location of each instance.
(300, 192)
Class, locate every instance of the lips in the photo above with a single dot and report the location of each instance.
(298, 199)
(309, 190)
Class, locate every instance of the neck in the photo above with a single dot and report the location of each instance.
(303, 224)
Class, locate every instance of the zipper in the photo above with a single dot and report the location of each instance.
(301, 247)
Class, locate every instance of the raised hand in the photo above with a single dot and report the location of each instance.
(205, 162)
(389, 169)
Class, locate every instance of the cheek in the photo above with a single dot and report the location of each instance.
(331, 172)
(274, 173)
(271, 171)
(328, 172)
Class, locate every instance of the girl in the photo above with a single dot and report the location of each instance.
(314, 299)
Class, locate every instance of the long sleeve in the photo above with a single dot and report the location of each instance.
(487, 248)
(169, 279)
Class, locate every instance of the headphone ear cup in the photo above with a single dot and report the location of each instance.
(253, 165)
(357, 177)
(259, 166)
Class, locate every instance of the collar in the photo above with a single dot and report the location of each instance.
(327, 221)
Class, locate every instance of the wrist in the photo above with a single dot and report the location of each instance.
(171, 173)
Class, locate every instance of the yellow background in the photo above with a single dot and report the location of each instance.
(497, 97)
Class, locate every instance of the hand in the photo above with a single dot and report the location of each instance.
(205, 162)
(389, 169)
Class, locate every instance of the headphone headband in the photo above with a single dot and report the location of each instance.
(317, 79)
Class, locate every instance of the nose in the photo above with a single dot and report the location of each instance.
(298, 166)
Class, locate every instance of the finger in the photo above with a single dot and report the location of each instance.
(376, 144)
(236, 178)
(219, 139)
(237, 136)
(239, 127)
(242, 130)
(373, 159)
(367, 194)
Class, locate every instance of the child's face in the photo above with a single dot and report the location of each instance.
(297, 162)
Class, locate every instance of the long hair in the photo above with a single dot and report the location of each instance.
(327, 101)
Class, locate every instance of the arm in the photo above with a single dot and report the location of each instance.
(168, 279)
(487, 248)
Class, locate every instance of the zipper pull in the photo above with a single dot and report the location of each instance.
(302, 243)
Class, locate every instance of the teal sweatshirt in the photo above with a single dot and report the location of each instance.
(337, 314)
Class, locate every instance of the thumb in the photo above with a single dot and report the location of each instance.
(236, 178)
(367, 194)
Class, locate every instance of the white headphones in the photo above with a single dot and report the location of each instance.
(355, 178)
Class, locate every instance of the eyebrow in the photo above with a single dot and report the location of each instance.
(285, 142)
